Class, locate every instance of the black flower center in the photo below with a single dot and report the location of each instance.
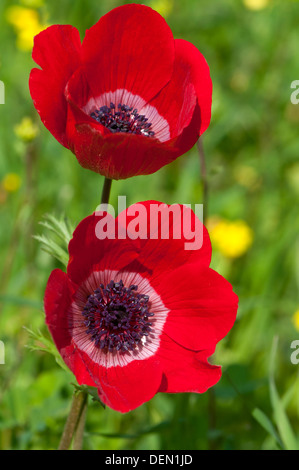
(117, 317)
(124, 119)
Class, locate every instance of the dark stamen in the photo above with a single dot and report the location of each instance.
(116, 317)
(124, 120)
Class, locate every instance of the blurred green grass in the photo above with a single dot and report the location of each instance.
(252, 154)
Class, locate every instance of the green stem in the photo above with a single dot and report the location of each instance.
(106, 191)
(204, 178)
(79, 433)
(74, 426)
(77, 407)
(205, 184)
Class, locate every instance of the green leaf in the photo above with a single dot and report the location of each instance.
(281, 419)
(92, 391)
(61, 227)
(59, 233)
(51, 247)
(156, 428)
(42, 343)
(265, 422)
(10, 299)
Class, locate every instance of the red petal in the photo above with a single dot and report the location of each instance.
(88, 253)
(202, 306)
(125, 388)
(177, 100)
(78, 93)
(185, 240)
(194, 62)
(58, 297)
(116, 155)
(131, 47)
(58, 51)
(119, 155)
(184, 370)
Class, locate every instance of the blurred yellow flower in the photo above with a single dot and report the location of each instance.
(11, 182)
(232, 239)
(164, 7)
(26, 130)
(296, 319)
(256, 4)
(20, 16)
(26, 23)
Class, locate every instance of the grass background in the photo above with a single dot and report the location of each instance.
(253, 169)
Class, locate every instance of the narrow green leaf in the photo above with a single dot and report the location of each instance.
(42, 343)
(265, 422)
(59, 233)
(282, 422)
(280, 417)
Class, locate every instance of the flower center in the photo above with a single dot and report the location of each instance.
(125, 119)
(116, 317)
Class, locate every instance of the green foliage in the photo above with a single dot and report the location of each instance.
(285, 437)
(62, 230)
(44, 344)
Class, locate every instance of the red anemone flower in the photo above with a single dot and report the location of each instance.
(129, 99)
(138, 315)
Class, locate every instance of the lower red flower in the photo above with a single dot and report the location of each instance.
(134, 316)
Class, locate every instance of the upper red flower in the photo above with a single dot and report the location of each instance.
(129, 99)
(136, 316)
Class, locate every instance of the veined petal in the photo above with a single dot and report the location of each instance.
(169, 235)
(89, 253)
(203, 306)
(58, 51)
(196, 66)
(184, 371)
(58, 298)
(131, 48)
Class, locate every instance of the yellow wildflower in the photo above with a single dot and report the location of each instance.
(11, 182)
(26, 130)
(231, 238)
(256, 4)
(296, 319)
(164, 7)
(26, 35)
(19, 16)
(26, 23)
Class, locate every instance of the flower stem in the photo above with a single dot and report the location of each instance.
(205, 185)
(106, 191)
(204, 178)
(74, 426)
(79, 433)
(74, 420)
